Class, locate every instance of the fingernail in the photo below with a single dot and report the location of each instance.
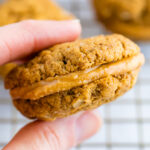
(87, 125)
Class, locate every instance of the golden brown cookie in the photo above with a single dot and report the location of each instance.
(17, 10)
(75, 76)
(5, 69)
(129, 17)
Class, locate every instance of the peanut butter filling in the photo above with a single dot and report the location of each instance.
(61, 83)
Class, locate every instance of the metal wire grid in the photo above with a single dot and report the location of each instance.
(126, 121)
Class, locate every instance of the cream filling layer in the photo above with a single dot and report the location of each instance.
(66, 82)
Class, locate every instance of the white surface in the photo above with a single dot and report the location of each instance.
(146, 131)
(5, 111)
(126, 121)
(95, 148)
(125, 109)
(5, 132)
(145, 91)
(125, 148)
(145, 109)
(124, 133)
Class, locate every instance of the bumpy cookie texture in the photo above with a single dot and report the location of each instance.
(70, 57)
(96, 71)
(129, 17)
(85, 97)
(17, 10)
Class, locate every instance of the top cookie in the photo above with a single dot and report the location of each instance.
(17, 10)
(71, 57)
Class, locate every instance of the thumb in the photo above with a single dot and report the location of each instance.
(60, 134)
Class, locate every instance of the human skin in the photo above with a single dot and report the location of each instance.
(18, 41)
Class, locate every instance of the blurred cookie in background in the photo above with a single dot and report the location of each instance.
(13, 11)
(128, 17)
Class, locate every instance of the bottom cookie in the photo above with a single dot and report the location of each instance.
(85, 97)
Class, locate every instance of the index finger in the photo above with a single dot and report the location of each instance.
(21, 39)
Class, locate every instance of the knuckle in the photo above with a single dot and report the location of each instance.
(25, 23)
(28, 25)
(29, 28)
(50, 137)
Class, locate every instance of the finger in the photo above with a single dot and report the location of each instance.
(61, 134)
(21, 39)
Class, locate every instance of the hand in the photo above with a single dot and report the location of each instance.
(21, 40)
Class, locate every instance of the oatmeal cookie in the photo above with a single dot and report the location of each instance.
(75, 76)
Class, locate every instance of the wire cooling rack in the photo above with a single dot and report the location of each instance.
(126, 121)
